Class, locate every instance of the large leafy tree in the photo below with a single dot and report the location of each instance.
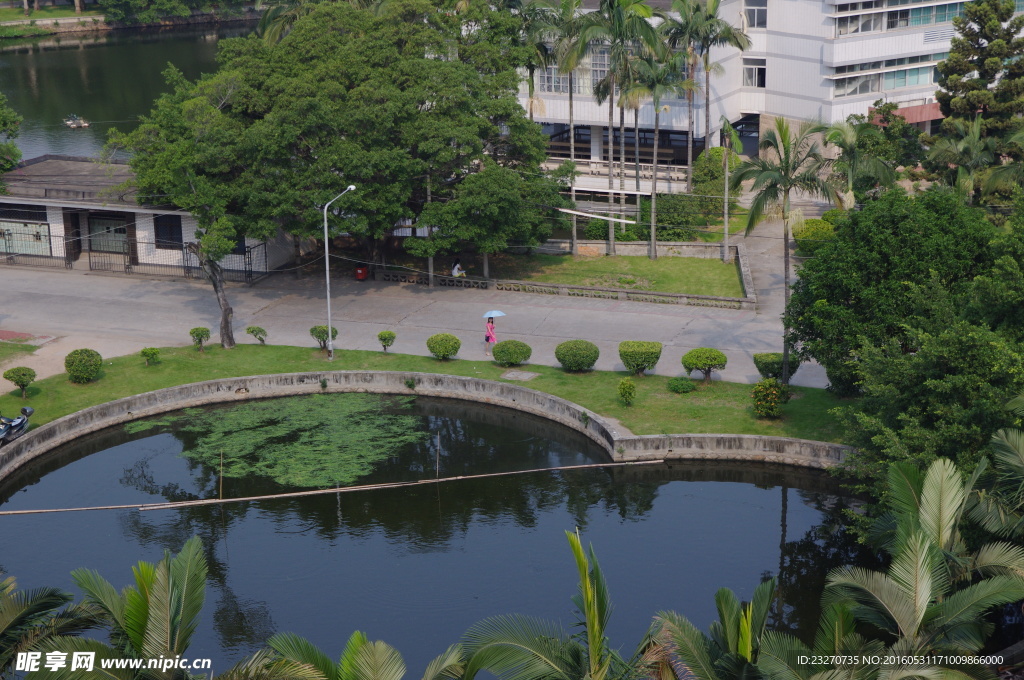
(857, 290)
(349, 96)
(984, 72)
(789, 160)
(964, 154)
(10, 154)
(898, 142)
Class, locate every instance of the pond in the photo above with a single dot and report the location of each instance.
(416, 566)
(107, 78)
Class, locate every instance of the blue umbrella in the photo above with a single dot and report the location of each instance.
(493, 312)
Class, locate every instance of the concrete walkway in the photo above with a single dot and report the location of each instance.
(119, 315)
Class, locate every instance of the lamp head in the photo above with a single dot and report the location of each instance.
(351, 187)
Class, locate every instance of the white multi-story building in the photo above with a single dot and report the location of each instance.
(809, 60)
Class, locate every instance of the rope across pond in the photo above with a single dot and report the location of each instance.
(320, 492)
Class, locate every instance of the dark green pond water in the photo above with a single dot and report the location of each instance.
(417, 566)
(109, 79)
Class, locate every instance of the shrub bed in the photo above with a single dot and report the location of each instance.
(577, 355)
(639, 355)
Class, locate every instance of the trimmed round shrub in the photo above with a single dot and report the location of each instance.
(21, 376)
(511, 353)
(768, 398)
(443, 345)
(681, 385)
(150, 354)
(812, 235)
(319, 333)
(705, 360)
(258, 333)
(577, 355)
(639, 356)
(835, 216)
(82, 365)
(200, 334)
(627, 391)
(386, 339)
(769, 364)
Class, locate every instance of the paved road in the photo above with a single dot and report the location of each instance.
(119, 315)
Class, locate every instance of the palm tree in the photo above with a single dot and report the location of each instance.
(854, 160)
(621, 25)
(716, 33)
(732, 142)
(360, 660)
(999, 502)
(1008, 175)
(516, 647)
(657, 79)
(154, 619)
(534, 34)
(967, 153)
(29, 619)
(787, 162)
(730, 649)
(685, 33)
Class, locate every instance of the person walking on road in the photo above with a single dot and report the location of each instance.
(489, 337)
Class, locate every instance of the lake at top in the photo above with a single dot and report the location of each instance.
(109, 79)
(416, 566)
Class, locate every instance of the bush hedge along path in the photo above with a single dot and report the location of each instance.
(617, 441)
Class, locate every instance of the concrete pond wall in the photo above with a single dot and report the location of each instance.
(619, 443)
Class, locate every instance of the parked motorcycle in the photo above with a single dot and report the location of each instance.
(12, 428)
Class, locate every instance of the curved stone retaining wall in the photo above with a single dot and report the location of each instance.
(620, 444)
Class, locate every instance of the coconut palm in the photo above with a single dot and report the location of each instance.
(788, 161)
(731, 140)
(29, 619)
(534, 33)
(967, 153)
(1008, 175)
(656, 79)
(730, 648)
(916, 605)
(622, 26)
(516, 647)
(854, 160)
(716, 32)
(684, 33)
(999, 501)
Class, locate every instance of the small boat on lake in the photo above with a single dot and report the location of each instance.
(75, 121)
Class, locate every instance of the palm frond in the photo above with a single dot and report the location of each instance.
(692, 647)
(516, 647)
(379, 661)
(301, 651)
(450, 664)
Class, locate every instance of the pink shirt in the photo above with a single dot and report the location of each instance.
(491, 337)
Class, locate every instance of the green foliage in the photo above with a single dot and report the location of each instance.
(443, 345)
(984, 65)
(386, 339)
(705, 360)
(835, 216)
(857, 287)
(511, 353)
(10, 154)
(577, 355)
(709, 182)
(200, 334)
(21, 376)
(681, 385)
(150, 354)
(812, 235)
(678, 217)
(152, 11)
(82, 365)
(410, 383)
(319, 333)
(898, 142)
(627, 391)
(597, 230)
(768, 397)
(639, 355)
(769, 364)
(258, 333)
(314, 441)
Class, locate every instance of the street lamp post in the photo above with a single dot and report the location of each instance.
(327, 273)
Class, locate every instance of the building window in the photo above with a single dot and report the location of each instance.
(850, 87)
(923, 16)
(1018, 5)
(865, 23)
(599, 60)
(167, 230)
(754, 71)
(756, 12)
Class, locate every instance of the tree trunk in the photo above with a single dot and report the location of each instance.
(78, 6)
(487, 267)
(532, 91)
(574, 246)
(707, 103)
(35, 5)
(689, 144)
(636, 152)
(622, 163)
(611, 162)
(725, 207)
(296, 252)
(25, 2)
(653, 254)
(430, 271)
(785, 279)
(214, 272)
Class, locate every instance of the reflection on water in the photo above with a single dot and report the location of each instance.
(418, 565)
(109, 79)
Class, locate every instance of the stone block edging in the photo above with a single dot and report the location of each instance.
(620, 444)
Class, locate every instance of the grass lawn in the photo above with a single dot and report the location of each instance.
(12, 349)
(44, 13)
(22, 31)
(716, 408)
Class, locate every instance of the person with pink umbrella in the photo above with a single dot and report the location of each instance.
(490, 338)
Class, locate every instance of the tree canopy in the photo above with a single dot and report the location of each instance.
(10, 154)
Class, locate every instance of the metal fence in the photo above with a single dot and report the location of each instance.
(125, 255)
